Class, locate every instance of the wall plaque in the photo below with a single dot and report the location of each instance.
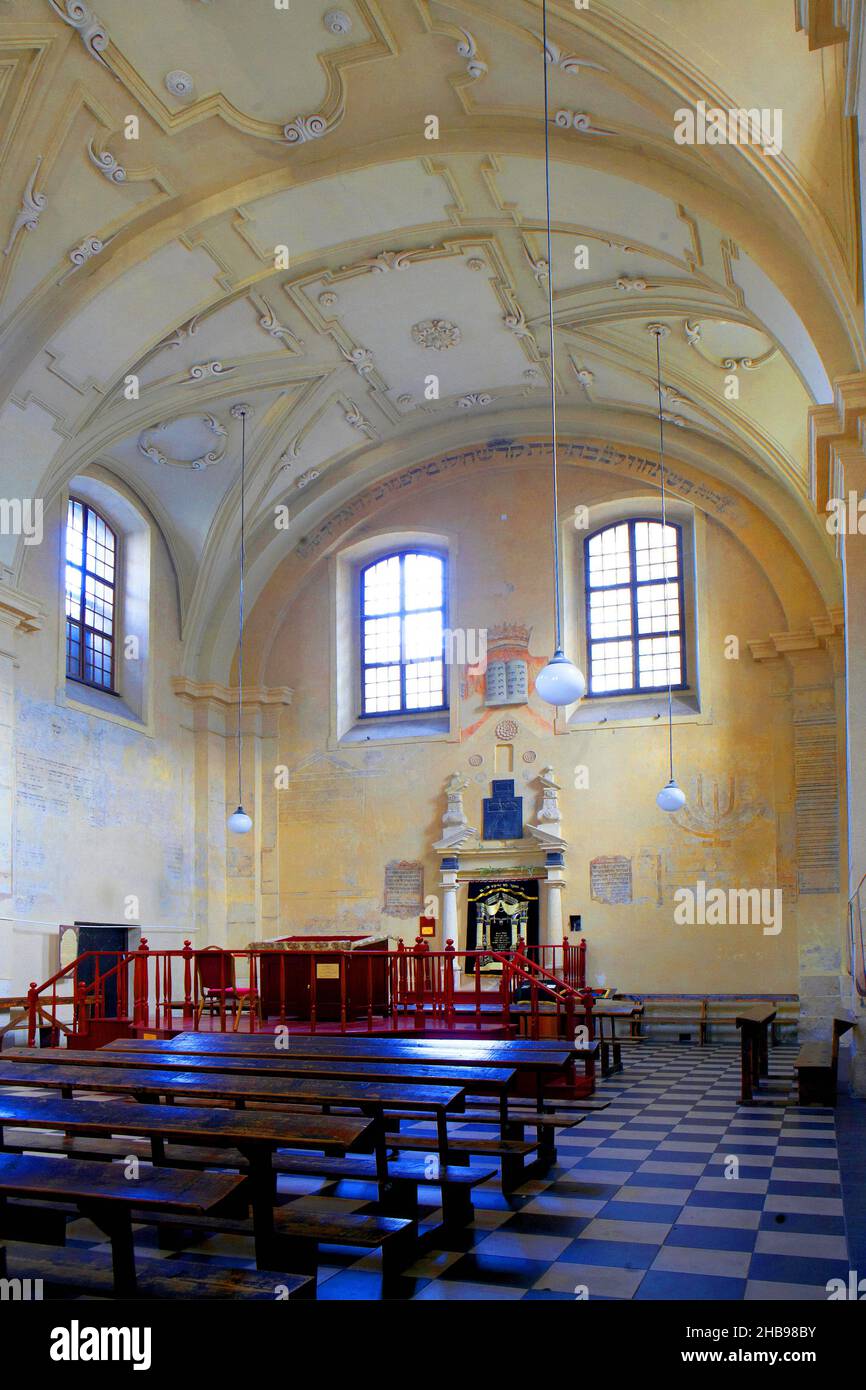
(610, 879)
(403, 895)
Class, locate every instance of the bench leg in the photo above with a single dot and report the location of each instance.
(117, 1225)
(399, 1197)
(457, 1205)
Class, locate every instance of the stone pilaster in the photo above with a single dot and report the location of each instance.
(237, 876)
(19, 616)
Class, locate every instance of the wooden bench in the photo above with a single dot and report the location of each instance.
(90, 1271)
(817, 1065)
(144, 1083)
(485, 1080)
(537, 1066)
(754, 1025)
(106, 1195)
(256, 1134)
(397, 1195)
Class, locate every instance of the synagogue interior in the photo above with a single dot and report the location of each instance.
(432, 652)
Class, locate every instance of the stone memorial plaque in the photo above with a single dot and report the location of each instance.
(610, 879)
(404, 889)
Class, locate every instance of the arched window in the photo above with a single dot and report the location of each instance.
(634, 608)
(402, 605)
(91, 564)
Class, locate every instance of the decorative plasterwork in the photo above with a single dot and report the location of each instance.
(180, 84)
(474, 398)
(107, 165)
(33, 204)
(361, 359)
(149, 442)
(694, 338)
(516, 322)
(337, 22)
(91, 30)
(304, 128)
(268, 321)
(385, 261)
(353, 416)
(567, 61)
(579, 121)
(538, 266)
(306, 478)
(89, 247)
(634, 284)
(204, 370)
(469, 49)
(438, 335)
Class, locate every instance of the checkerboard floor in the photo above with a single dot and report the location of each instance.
(673, 1192)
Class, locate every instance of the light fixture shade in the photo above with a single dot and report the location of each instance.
(560, 682)
(239, 823)
(671, 797)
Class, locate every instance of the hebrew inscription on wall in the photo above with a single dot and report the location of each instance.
(610, 879)
(404, 889)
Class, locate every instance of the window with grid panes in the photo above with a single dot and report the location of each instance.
(91, 561)
(634, 608)
(402, 634)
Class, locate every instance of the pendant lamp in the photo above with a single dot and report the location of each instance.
(559, 682)
(671, 797)
(239, 823)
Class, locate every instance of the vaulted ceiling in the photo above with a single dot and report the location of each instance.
(284, 232)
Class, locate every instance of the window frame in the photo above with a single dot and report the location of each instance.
(363, 665)
(634, 584)
(113, 584)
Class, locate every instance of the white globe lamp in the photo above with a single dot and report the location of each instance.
(560, 682)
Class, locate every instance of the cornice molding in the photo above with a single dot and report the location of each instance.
(255, 697)
(816, 636)
(19, 611)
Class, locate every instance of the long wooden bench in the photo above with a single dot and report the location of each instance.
(79, 1271)
(485, 1080)
(398, 1195)
(701, 1014)
(257, 1135)
(817, 1065)
(107, 1195)
(143, 1084)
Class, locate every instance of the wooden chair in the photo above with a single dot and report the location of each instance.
(216, 986)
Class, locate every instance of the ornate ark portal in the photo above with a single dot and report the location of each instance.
(499, 913)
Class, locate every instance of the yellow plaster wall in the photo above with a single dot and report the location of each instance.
(350, 809)
(103, 810)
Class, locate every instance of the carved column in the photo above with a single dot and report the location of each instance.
(19, 616)
(448, 884)
(554, 884)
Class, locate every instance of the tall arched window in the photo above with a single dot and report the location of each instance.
(402, 604)
(634, 608)
(91, 563)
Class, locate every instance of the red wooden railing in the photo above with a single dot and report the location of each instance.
(153, 988)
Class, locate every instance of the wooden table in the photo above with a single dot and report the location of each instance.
(143, 1084)
(481, 1080)
(541, 1062)
(754, 1026)
(257, 1134)
(106, 1195)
